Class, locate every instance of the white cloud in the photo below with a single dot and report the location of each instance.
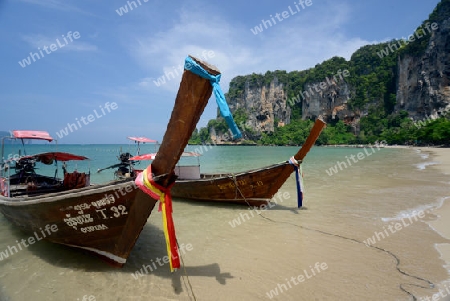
(146, 82)
(57, 5)
(297, 43)
(40, 40)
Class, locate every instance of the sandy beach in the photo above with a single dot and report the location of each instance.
(440, 160)
(442, 224)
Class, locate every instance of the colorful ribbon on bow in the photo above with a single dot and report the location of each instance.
(299, 180)
(145, 182)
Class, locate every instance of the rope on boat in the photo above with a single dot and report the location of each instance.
(397, 265)
(233, 177)
(187, 277)
(236, 185)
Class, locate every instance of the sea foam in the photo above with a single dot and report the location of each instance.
(414, 211)
(424, 165)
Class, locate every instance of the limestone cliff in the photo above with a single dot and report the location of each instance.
(264, 104)
(424, 81)
(328, 99)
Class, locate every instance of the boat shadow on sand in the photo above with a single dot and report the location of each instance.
(143, 254)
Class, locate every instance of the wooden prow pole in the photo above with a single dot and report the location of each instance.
(190, 102)
(313, 135)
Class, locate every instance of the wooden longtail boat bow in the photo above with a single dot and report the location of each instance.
(190, 102)
(313, 135)
(156, 180)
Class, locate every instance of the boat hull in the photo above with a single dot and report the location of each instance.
(254, 187)
(103, 219)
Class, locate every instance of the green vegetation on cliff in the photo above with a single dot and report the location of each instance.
(439, 14)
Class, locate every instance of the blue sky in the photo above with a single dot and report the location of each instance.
(112, 58)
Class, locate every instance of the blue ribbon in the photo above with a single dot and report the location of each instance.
(191, 65)
(298, 181)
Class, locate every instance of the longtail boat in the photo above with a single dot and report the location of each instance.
(253, 187)
(107, 219)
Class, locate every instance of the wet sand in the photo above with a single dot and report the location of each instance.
(440, 161)
(442, 223)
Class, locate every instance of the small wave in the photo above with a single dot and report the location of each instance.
(414, 211)
(424, 165)
(424, 156)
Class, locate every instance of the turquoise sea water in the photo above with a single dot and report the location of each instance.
(368, 190)
(213, 158)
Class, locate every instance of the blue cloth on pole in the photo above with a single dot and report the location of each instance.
(191, 65)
